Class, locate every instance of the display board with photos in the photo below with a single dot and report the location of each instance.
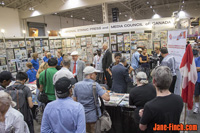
(3, 57)
(41, 45)
(30, 47)
(161, 37)
(17, 56)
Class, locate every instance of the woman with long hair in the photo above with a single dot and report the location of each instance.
(31, 72)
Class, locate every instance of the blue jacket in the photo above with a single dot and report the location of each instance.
(120, 78)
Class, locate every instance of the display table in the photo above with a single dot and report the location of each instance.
(118, 107)
(121, 113)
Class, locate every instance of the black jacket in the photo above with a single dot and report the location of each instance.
(107, 60)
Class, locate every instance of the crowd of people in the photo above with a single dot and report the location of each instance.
(68, 84)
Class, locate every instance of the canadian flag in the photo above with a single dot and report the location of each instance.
(189, 73)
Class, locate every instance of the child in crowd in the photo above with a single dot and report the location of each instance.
(31, 72)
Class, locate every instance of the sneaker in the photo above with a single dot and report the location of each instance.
(196, 110)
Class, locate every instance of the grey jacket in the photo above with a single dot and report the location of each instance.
(80, 67)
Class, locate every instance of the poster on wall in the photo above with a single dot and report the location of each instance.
(78, 42)
(120, 39)
(94, 41)
(11, 54)
(177, 44)
(83, 41)
(114, 47)
(127, 47)
(113, 39)
(22, 44)
(106, 40)
(9, 44)
(51, 44)
(73, 43)
(2, 52)
(126, 38)
(1, 45)
(134, 38)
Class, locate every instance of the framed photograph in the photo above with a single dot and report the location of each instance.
(120, 39)
(22, 44)
(68, 43)
(94, 41)
(114, 47)
(9, 44)
(73, 44)
(15, 44)
(113, 39)
(51, 44)
(127, 47)
(83, 41)
(78, 42)
(126, 38)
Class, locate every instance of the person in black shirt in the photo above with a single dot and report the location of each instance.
(166, 108)
(144, 61)
(141, 94)
(117, 58)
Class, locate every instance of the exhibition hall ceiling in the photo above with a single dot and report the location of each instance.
(135, 9)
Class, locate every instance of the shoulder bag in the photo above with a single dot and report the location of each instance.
(42, 96)
(104, 122)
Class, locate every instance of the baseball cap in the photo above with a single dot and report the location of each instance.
(6, 75)
(139, 49)
(62, 87)
(74, 53)
(90, 69)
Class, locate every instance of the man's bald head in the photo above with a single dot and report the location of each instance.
(105, 46)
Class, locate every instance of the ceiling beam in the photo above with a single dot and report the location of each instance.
(11, 3)
(53, 6)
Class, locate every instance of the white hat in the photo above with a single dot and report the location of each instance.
(139, 49)
(74, 53)
(90, 69)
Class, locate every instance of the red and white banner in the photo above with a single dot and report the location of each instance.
(176, 44)
(189, 73)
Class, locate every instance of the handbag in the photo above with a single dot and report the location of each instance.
(104, 122)
(42, 96)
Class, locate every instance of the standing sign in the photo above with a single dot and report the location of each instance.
(177, 43)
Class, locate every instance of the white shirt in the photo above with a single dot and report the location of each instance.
(63, 72)
(16, 119)
(98, 62)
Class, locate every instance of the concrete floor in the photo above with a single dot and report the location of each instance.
(191, 119)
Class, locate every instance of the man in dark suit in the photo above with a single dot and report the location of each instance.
(106, 61)
(120, 77)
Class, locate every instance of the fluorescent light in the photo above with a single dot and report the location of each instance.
(55, 13)
(156, 16)
(183, 1)
(2, 31)
(147, 2)
(125, 15)
(83, 18)
(3, 3)
(93, 20)
(120, 13)
(48, 32)
(71, 16)
(23, 31)
(150, 6)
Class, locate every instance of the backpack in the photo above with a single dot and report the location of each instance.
(18, 96)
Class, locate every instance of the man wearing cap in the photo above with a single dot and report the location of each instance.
(46, 80)
(83, 93)
(136, 59)
(77, 66)
(98, 65)
(5, 79)
(106, 62)
(63, 115)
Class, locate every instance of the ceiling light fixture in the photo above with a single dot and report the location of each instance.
(55, 13)
(150, 6)
(125, 15)
(156, 16)
(147, 2)
(183, 1)
(130, 19)
(93, 20)
(71, 16)
(2, 31)
(31, 9)
(83, 18)
(3, 3)
(120, 13)
(23, 31)
(48, 32)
